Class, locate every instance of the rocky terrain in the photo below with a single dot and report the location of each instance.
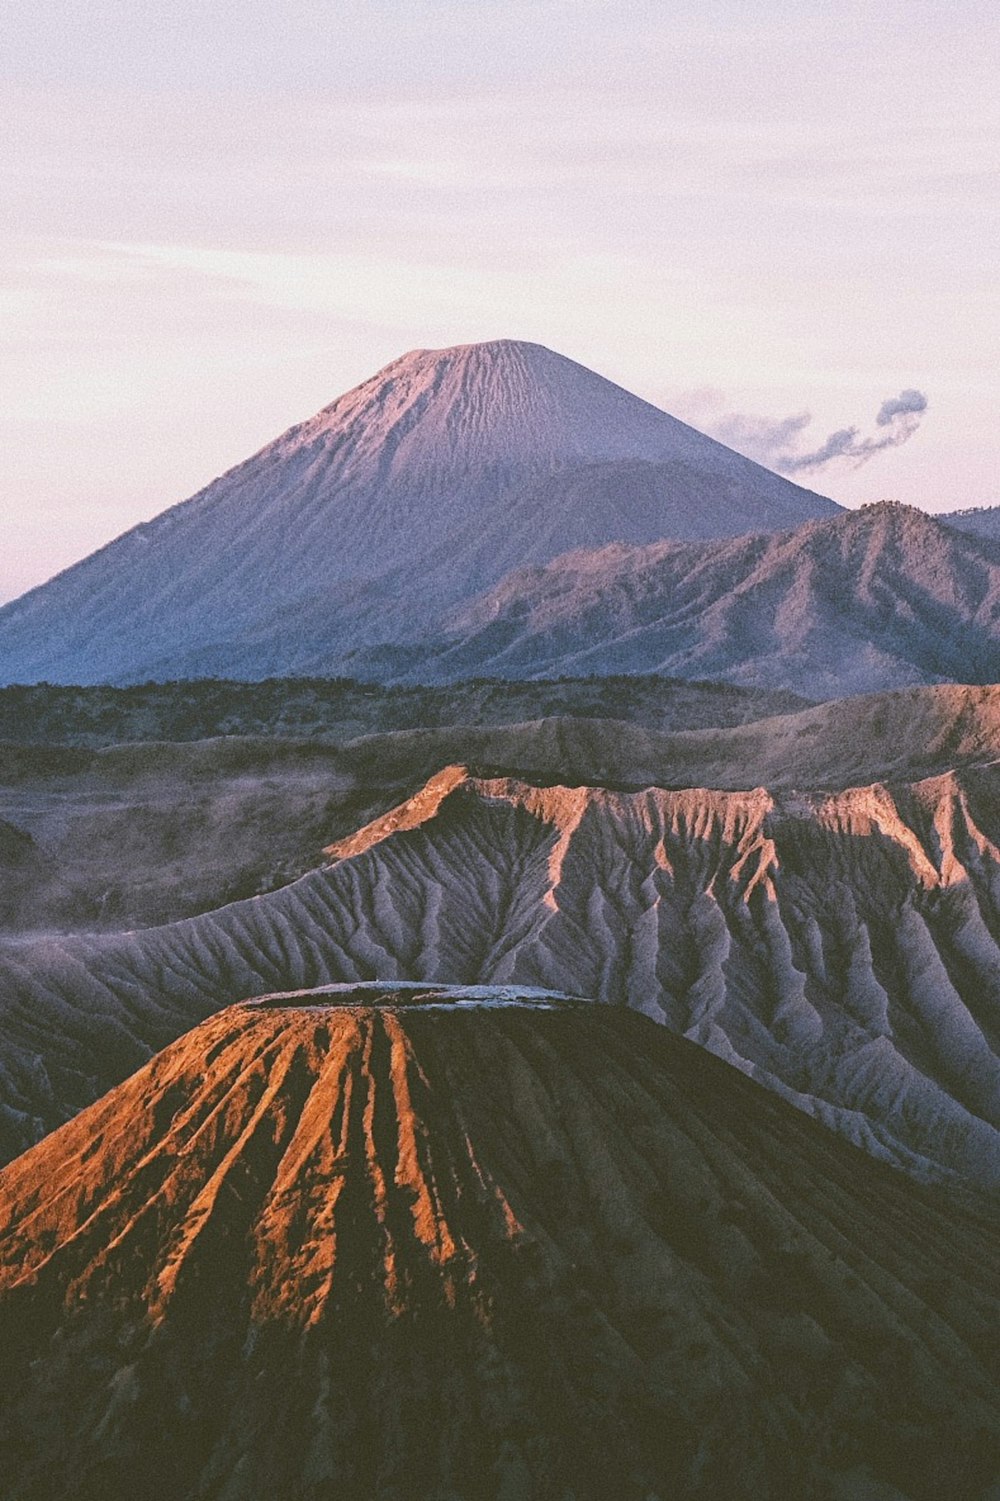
(874, 599)
(393, 1246)
(449, 466)
(840, 946)
(530, 1241)
(139, 834)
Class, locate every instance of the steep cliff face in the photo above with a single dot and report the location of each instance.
(133, 835)
(840, 947)
(384, 1244)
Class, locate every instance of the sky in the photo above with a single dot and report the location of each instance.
(770, 219)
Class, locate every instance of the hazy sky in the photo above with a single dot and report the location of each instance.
(214, 219)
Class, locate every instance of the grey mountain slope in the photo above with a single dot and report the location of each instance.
(876, 599)
(442, 461)
(634, 501)
(842, 948)
(981, 521)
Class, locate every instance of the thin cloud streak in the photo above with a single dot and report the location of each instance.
(770, 441)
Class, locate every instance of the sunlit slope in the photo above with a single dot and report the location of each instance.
(138, 834)
(527, 1247)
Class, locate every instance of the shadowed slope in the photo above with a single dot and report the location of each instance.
(981, 521)
(339, 709)
(841, 947)
(487, 1252)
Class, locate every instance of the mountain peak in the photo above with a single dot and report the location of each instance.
(449, 465)
(895, 513)
(879, 598)
(483, 348)
(503, 402)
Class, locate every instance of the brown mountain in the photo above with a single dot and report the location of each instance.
(399, 1245)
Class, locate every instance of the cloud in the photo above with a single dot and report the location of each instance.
(773, 441)
(907, 403)
(843, 444)
(761, 438)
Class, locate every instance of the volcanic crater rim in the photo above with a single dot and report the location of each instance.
(392, 995)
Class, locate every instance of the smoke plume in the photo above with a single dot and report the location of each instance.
(773, 441)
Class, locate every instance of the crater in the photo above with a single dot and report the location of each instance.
(393, 995)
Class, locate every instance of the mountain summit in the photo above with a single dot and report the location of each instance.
(449, 466)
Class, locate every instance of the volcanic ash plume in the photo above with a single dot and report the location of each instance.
(768, 439)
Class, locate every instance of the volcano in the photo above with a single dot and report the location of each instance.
(410, 1241)
(407, 495)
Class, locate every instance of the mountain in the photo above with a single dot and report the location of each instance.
(387, 1245)
(880, 598)
(840, 947)
(418, 489)
(981, 521)
(133, 835)
(140, 834)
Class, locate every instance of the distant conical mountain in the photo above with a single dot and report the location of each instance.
(429, 481)
(387, 1243)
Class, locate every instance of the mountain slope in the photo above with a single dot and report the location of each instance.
(981, 521)
(880, 598)
(840, 947)
(439, 465)
(390, 1246)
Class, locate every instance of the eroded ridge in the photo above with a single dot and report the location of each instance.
(842, 947)
(391, 1252)
(383, 996)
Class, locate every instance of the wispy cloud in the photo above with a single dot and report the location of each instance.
(774, 441)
